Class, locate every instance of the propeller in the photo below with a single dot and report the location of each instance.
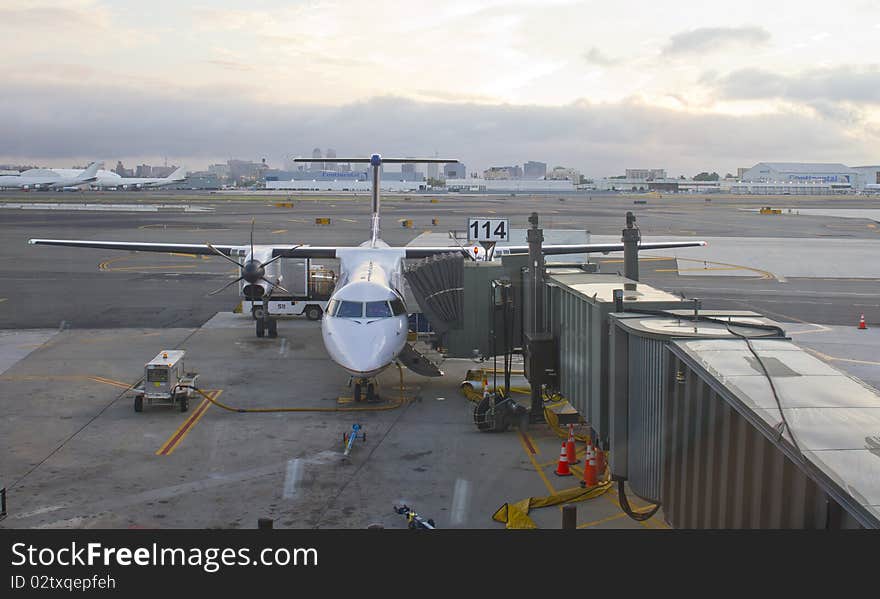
(252, 271)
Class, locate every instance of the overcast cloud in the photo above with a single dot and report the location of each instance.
(844, 83)
(597, 86)
(708, 39)
(601, 139)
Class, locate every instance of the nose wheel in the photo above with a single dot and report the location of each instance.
(365, 389)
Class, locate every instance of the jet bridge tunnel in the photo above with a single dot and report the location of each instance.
(715, 416)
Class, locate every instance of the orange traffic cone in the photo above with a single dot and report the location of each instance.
(562, 466)
(570, 451)
(862, 325)
(600, 463)
(589, 468)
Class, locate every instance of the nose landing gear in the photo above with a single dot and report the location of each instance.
(365, 389)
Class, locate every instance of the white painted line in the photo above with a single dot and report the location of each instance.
(42, 510)
(292, 478)
(460, 500)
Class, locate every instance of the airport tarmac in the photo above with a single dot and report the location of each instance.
(78, 325)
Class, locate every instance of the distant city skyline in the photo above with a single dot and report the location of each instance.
(596, 87)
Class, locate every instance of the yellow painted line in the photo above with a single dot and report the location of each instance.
(296, 220)
(603, 520)
(194, 256)
(616, 261)
(344, 400)
(835, 359)
(279, 231)
(533, 444)
(820, 329)
(106, 381)
(3, 299)
(178, 436)
(700, 269)
(522, 441)
(137, 268)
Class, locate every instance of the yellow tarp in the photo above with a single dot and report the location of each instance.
(516, 515)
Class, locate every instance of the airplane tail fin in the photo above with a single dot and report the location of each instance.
(179, 174)
(375, 161)
(89, 174)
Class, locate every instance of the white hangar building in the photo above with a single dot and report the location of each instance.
(800, 173)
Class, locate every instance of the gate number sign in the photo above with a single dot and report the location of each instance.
(488, 229)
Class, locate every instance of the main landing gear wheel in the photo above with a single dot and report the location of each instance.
(314, 312)
(357, 392)
(261, 327)
(272, 326)
(372, 396)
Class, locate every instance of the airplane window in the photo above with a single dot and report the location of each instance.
(398, 307)
(378, 310)
(350, 309)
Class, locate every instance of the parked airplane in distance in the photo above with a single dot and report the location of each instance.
(106, 179)
(42, 178)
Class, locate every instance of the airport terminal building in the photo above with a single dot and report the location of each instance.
(797, 178)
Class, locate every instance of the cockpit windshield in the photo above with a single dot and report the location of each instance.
(350, 309)
(378, 310)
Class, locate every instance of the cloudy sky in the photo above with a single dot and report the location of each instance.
(600, 86)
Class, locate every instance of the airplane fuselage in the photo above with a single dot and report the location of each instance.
(366, 323)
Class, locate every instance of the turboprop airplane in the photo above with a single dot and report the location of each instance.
(366, 323)
(40, 178)
(106, 179)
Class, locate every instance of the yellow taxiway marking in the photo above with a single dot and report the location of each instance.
(296, 220)
(66, 377)
(3, 299)
(820, 329)
(835, 359)
(175, 439)
(162, 266)
(279, 231)
(603, 520)
(530, 450)
(106, 381)
(617, 261)
(701, 269)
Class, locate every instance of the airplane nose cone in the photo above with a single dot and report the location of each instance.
(364, 347)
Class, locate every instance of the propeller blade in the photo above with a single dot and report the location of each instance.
(253, 221)
(267, 263)
(276, 285)
(222, 255)
(226, 286)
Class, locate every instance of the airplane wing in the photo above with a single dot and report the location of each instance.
(549, 249)
(285, 251)
(138, 246)
(307, 251)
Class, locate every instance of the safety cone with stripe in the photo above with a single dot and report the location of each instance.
(862, 325)
(562, 467)
(600, 463)
(570, 451)
(590, 479)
